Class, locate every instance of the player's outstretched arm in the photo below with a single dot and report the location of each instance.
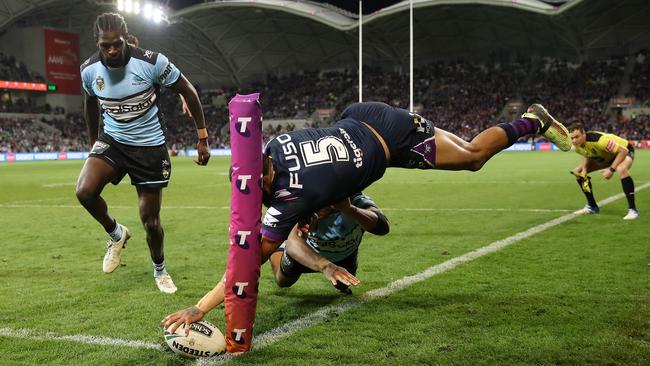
(191, 97)
(195, 313)
(210, 300)
(301, 252)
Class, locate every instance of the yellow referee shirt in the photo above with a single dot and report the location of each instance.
(601, 146)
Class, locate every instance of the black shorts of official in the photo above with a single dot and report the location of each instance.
(291, 268)
(630, 150)
(148, 166)
(410, 137)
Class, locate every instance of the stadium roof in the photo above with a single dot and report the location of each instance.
(236, 41)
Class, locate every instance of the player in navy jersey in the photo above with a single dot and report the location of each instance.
(121, 84)
(308, 169)
(328, 242)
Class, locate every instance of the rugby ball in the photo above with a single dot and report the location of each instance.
(204, 340)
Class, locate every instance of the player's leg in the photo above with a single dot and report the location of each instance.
(453, 153)
(623, 170)
(95, 175)
(285, 269)
(584, 182)
(149, 203)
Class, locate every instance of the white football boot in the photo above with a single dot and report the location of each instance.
(587, 210)
(165, 283)
(632, 214)
(114, 251)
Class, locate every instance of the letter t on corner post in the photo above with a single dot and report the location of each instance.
(243, 268)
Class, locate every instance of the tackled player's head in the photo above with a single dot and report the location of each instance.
(578, 134)
(110, 32)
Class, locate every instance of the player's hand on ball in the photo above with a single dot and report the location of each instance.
(185, 316)
(203, 150)
(337, 274)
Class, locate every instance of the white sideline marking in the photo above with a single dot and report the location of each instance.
(414, 209)
(101, 341)
(54, 185)
(299, 324)
(285, 330)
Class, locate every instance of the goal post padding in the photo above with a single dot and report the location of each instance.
(243, 268)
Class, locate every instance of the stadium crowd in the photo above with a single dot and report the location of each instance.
(461, 97)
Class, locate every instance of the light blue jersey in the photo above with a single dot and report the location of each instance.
(337, 236)
(128, 95)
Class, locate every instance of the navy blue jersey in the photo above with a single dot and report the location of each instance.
(318, 167)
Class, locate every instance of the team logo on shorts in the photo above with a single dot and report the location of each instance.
(165, 169)
(99, 147)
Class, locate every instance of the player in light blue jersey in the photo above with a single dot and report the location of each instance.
(122, 84)
(330, 243)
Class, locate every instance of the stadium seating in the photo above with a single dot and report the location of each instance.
(461, 97)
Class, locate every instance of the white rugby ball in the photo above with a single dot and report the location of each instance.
(204, 340)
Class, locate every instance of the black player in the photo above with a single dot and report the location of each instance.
(309, 169)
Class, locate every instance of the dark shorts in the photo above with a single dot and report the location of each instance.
(630, 150)
(148, 166)
(291, 268)
(410, 137)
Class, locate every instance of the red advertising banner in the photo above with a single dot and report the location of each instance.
(62, 61)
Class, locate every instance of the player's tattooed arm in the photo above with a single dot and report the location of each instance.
(91, 112)
(195, 313)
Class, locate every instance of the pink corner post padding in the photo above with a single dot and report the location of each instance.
(243, 269)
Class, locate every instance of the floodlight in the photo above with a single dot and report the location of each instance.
(157, 15)
(147, 11)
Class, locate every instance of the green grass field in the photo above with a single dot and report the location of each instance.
(577, 293)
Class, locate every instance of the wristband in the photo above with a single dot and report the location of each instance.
(203, 133)
(612, 169)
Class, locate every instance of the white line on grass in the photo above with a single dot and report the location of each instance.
(101, 341)
(308, 320)
(414, 209)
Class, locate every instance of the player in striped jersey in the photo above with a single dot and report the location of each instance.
(122, 84)
(612, 154)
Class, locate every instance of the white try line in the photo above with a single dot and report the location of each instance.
(413, 209)
(283, 331)
(274, 335)
(101, 341)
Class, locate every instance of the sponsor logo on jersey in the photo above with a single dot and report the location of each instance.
(99, 83)
(148, 53)
(358, 153)
(137, 80)
(166, 72)
(129, 109)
